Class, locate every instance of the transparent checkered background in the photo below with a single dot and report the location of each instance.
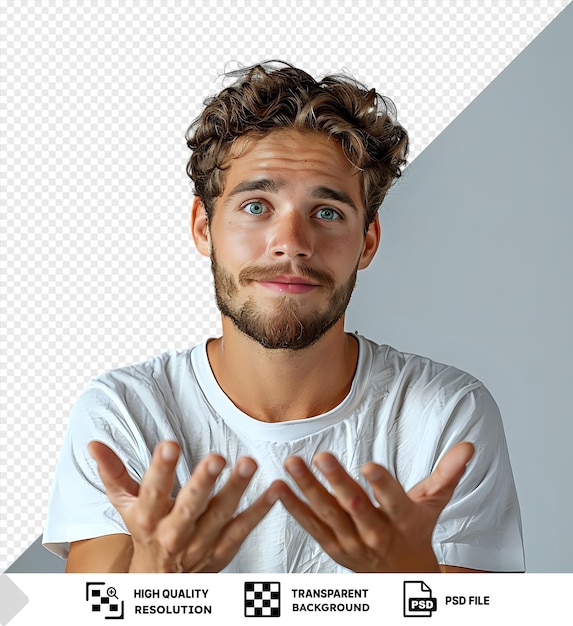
(98, 269)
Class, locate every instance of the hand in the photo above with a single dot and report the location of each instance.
(396, 535)
(194, 532)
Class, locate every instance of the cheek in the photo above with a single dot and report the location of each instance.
(342, 253)
(240, 246)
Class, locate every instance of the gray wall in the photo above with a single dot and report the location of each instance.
(475, 270)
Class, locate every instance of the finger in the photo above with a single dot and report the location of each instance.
(155, 499)
(393, 500)
(324, 504)
(370, 525)
(440, 485)
(192, 500)
(238, 529)
(306, 517)
(118, 483)
(223, 505)
(349, 493)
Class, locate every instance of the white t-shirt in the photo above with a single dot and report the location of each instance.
(403, 411)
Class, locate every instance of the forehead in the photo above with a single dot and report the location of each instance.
(293, 157)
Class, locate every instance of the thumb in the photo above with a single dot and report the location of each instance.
(444, 479)
(112, 471)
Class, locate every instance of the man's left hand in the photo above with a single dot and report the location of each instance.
(392, 535)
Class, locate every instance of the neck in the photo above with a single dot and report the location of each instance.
(283, 385)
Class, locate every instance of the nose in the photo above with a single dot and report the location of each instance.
(290, 237)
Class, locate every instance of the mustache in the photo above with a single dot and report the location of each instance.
(268, 272)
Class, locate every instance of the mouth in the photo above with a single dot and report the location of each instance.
(290, 284)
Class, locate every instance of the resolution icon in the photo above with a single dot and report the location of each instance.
(104, 601)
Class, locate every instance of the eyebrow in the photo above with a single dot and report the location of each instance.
(328, 193)
(259, 184)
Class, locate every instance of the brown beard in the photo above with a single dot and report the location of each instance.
(287, 328)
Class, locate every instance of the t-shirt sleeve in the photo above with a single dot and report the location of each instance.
(78, 506)
(480, 528)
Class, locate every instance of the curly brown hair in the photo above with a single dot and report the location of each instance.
(267, 97)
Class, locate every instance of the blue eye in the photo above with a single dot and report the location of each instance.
(254, 208)
(328, 214)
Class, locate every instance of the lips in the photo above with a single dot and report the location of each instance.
(291, 284)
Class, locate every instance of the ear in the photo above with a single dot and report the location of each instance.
(371, 243)
(200, 227)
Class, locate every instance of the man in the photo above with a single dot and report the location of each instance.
(178, 464)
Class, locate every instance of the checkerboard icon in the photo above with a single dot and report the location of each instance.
(262, 599)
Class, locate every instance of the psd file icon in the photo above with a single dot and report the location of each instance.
(418, 600)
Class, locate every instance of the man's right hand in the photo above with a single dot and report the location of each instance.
(194, 532)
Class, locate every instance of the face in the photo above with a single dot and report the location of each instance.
(286, 238)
